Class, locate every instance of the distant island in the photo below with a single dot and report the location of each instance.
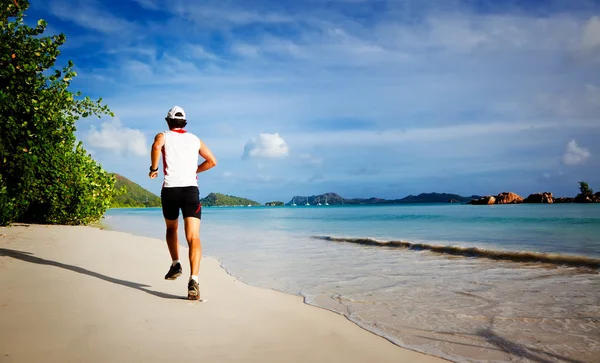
(274, 204)
(134, 196)
(131, 195)
(222, 200)
(336, 199)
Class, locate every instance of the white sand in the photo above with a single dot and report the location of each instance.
(80, 294)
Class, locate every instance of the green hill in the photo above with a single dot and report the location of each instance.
(133, 195)
(435, 198)
(218, 199)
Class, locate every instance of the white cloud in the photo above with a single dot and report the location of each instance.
(311, 159)
(590, 35)
(270, 146)
(592, 96)
(115, 137)
(245, 50)
(137, 68)
(438, 134)
(199, 52)
(581, 102)
(90, 15)
(148, 4)
(588, 48)
(219, 15)
(575, 154)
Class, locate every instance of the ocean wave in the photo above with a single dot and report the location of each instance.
(515, 256)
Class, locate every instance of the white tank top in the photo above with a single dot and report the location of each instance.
(180, 158)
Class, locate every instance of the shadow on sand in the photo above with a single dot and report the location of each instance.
(29, 257)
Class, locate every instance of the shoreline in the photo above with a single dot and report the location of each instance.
(371, 329)
(39, 299)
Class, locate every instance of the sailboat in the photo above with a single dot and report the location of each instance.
(326, 201)
(318, 202)
(294, 202)
(307, 203)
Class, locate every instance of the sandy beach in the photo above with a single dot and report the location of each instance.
(73, 294)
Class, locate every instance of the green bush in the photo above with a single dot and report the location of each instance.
(44, 176)
(585, 190)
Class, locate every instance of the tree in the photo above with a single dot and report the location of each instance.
(45, 176)
(585, 190)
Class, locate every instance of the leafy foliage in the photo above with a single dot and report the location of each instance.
(45, 177)
(218, 199)
(131, 195)
(274, 204)
(585, 190)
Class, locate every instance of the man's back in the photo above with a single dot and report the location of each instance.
(180, 158)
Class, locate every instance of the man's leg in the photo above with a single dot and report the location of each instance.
(192, 235)
(175, 270)
(192, 213)
(172, 226)
(170, 208)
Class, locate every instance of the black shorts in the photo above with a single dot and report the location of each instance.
(185, 198)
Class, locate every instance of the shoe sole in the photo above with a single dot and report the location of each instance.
(173, 277)
(192, 295)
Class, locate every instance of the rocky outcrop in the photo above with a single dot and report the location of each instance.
(508, 198)
(583, 199)
(590, 198)
(564, 200)
(585, 196)
(539, 198)
(483, 201)
(502, 198)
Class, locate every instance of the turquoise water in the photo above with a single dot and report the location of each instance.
(462, 308)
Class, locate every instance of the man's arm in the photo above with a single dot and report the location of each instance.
(159, 142)
(209, 158)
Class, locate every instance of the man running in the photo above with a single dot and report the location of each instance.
(180, 151)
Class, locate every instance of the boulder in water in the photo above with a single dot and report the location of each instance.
(483, 201)
(508, 198)
(545, 197)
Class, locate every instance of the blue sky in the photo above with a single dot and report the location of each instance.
(363, 98)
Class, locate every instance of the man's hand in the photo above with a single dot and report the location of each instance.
(153, 174)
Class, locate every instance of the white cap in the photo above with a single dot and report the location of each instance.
(172, 114)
